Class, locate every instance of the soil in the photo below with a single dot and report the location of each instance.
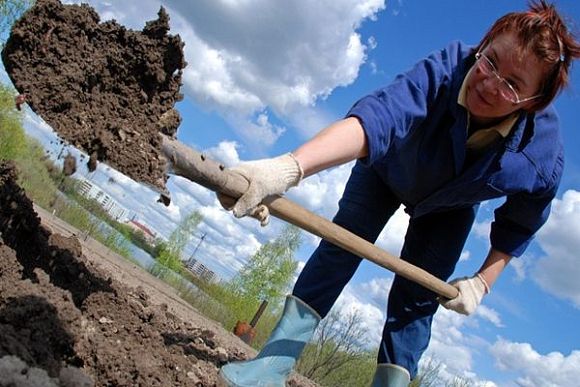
(103, 88)
(67, 320)
(69, 165)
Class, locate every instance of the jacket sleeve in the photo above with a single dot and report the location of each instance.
(393, 112)
(522, 215)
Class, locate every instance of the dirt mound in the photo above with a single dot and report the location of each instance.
(60, 314)
(105, 89)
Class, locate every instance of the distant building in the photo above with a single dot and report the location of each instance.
(92, 191)
(150, 236)
(85, 187)
(200, 270)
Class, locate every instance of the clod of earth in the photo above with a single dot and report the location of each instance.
(69, 165)
(105, 89)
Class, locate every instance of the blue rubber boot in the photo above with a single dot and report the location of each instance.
(391, 375)
(275, 361)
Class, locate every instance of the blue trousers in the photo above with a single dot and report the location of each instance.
(433, 242)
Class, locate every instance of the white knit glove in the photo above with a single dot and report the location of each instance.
(471, 292)
(266, 177)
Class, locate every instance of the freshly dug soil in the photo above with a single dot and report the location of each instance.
(61, 314)
(103, 88)
(64, 321)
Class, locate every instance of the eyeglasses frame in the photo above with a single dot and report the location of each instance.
(479, 55)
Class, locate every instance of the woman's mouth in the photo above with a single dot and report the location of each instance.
(482, 99)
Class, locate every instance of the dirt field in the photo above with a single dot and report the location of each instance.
(75, 314)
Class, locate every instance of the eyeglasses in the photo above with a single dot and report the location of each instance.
(505, 89)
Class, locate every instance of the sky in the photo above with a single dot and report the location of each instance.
(264, 76)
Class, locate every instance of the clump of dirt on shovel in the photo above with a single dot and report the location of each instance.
(69, 165)
(103, 88)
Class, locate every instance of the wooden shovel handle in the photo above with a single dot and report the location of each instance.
(194, 166)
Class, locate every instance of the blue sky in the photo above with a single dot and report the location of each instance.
(264, 76)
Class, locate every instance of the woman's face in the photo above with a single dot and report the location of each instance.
(488, 98)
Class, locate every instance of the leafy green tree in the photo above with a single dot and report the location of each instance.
(33, 177)
(170, 254)
(267, 276)
(160, 246)
(12, 138)
(26, 152)
(270, 270)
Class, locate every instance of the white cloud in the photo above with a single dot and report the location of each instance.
(353, 299)
(282, 57)
(372, 42)
(534, 369)
(456, 349)
(448, 343)
(259, 132)
(184, 191)
(377, 291)
(309, 120)
(520, 265)
(465, 255)
(242, 61)
(490, 315)
(320, 193)
(225, 152)
(392, 237)
(482, 229)
(558, 271)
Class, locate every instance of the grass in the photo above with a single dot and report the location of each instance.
(195, 296)
(79, 217)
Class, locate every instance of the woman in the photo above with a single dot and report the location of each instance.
(465, 125)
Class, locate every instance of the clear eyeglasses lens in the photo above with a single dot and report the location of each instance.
(504, 88)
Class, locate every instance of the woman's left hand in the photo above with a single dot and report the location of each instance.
(471, 292)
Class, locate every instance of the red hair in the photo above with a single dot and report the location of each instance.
(541, 30)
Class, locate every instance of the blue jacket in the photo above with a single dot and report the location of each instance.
(416, 134)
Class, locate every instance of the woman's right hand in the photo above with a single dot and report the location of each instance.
(266, 177)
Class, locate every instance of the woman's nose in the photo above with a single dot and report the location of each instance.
(491, 84)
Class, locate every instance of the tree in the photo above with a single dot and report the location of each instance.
(339, 342)
(12, 138)
(270, 270)
(27, 153)
(183, 232)
(430, 375)
(170, 254)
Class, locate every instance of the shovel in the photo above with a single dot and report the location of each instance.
(42, 52)
(195, 167)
